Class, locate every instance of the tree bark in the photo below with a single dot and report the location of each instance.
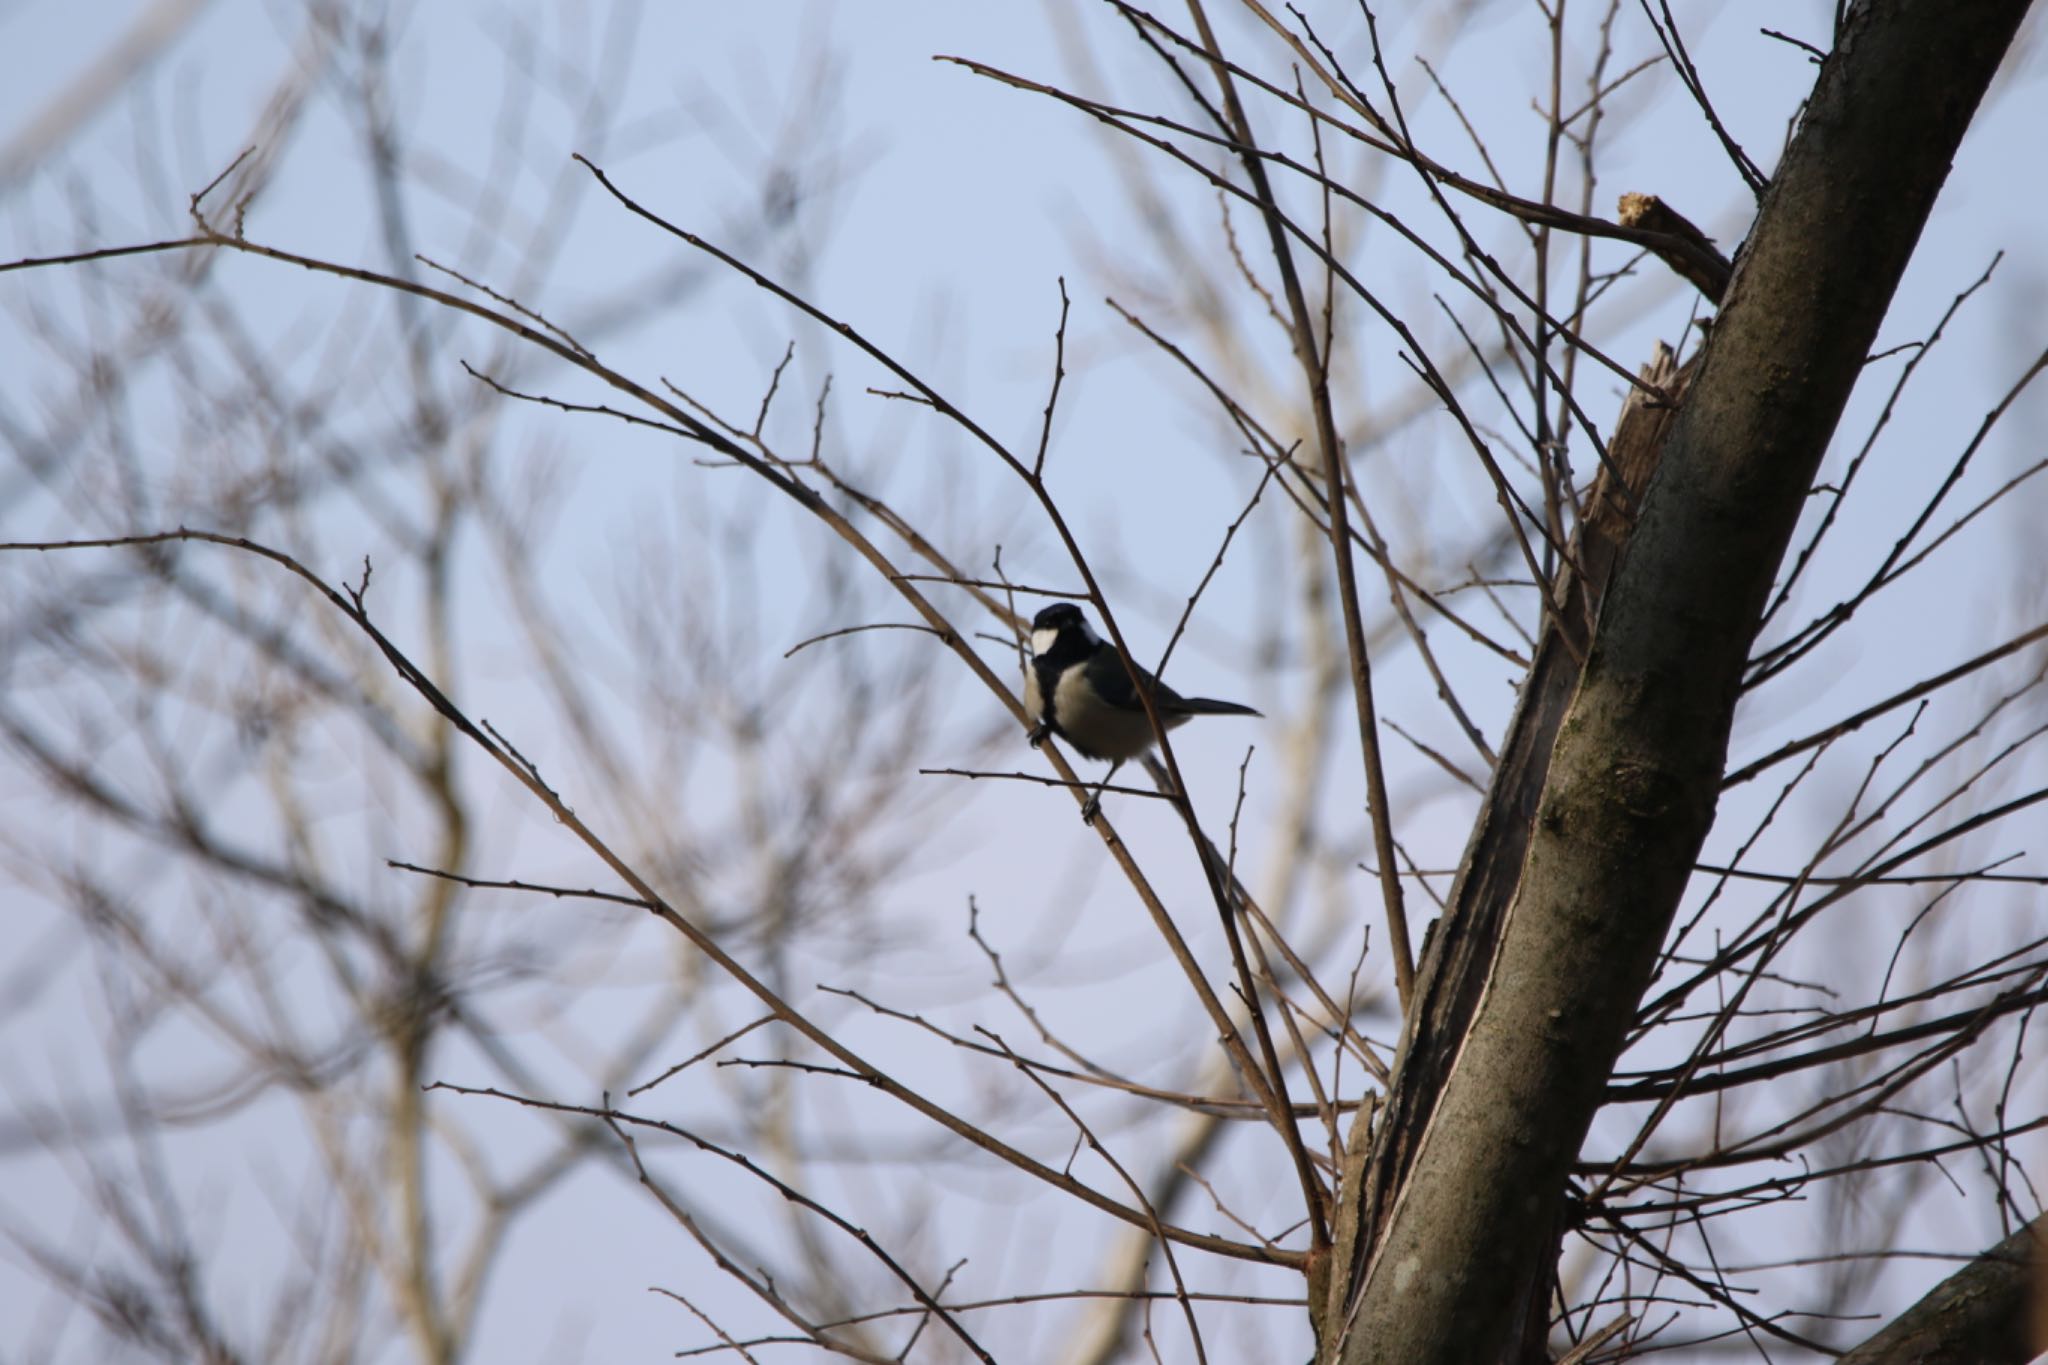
(1981, 1315)
(1459, 946)
(1462, 1241)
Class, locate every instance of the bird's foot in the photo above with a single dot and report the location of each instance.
(1039, 733)
(1092, 807)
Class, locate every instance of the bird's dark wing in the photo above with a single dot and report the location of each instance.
(1106, 674)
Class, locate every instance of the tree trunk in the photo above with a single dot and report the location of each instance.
(1981, 1315)
(1461, 1241)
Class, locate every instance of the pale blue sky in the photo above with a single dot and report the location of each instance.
(959, 204)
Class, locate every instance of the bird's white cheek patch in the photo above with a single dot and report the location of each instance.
(1042, 641)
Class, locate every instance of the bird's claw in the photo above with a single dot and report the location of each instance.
(1038, 734)
(1091, 808)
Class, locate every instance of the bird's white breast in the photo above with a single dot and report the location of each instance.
(1094, 726)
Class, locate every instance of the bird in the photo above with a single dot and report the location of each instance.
(1077, 688)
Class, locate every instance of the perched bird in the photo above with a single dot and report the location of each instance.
(1077, 688)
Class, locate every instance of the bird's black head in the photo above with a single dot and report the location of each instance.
(1058, 616)
(1060, 626)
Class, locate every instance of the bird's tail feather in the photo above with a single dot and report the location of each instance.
(1208, 706)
